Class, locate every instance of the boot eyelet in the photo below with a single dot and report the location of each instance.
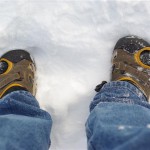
(5, 66)
(145, 57)
(142, 57)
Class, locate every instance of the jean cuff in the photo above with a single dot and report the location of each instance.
(121, 92)
(135, 91)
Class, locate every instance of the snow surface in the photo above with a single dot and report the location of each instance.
(72, 43)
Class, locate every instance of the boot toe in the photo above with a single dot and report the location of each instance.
(131, 43)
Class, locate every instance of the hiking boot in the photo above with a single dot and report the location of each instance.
(17, 72)
(131, 62)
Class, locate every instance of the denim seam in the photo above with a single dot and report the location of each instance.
(99, 104)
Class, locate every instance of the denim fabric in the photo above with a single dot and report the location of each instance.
(23, 125)
(119, 119)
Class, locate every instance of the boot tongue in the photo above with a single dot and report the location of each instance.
(3, 66)
(145, 57)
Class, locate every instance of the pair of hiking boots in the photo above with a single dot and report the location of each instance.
(131, 62)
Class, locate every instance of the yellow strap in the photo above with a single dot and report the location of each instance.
(137, 57)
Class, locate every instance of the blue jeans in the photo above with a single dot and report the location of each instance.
(23, 125)
(119, 119)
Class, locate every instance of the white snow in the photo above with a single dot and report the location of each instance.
(140, 68)
(121, 127)
(148, 125)
(71, 42)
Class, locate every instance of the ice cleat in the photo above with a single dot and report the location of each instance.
(17, 72)
(131, 62)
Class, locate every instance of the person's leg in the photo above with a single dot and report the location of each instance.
(23, 125)
(120, 113)
(119, 118)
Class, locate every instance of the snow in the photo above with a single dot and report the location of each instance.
(121, 127)
(148, 125)
(71, 42)
(139, 68)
